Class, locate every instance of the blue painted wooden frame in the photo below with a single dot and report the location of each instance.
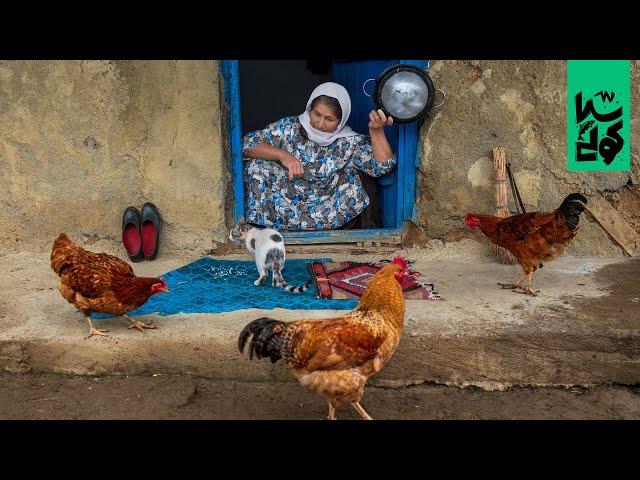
(408, 142)
(231, 78)
(408, 157)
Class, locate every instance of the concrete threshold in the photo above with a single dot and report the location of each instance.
(582, 329)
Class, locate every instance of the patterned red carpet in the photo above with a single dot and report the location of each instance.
(348, 280)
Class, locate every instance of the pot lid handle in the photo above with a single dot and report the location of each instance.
(443, 97)
(365, 84)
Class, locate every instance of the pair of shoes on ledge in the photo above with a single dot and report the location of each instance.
(140, 232)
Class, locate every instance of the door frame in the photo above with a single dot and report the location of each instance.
(408, 159)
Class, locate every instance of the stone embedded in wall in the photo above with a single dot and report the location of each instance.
(513, 101)
(91, 142)
(425, 154)
(426, 151)
(531, 142)
(481, 172)
(478, 87)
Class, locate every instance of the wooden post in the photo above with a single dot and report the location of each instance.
(500, 199)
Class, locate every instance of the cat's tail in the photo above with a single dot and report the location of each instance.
(290, 288)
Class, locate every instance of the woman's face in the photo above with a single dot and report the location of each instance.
(323, 118)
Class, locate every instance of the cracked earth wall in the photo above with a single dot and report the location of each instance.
(519, 105)
(82, 140)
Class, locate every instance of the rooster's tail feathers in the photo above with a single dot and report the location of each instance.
(267, 338)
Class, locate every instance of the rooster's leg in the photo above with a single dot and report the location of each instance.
(361, 411)
(515, 284)
(528, 290)
(138, 324)
(95, 331)
(332, 413)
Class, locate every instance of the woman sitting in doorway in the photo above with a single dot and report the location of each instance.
(300, 172)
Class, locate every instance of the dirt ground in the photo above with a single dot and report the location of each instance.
(597, 301)
(52, 396)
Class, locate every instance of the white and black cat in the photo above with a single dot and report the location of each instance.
(267, 247)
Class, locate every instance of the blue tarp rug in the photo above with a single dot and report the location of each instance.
(213, 286)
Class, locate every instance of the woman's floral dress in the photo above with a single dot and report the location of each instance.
(328, 195)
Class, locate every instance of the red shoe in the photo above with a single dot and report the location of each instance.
(150, 228)
(131, 234)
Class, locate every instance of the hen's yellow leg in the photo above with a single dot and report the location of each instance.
(95, 331)
(361, 411)
(528, 290)
(515, 284)
(332, 413)
(138, 324)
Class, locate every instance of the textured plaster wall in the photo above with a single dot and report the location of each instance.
(520, 105)
(82, 140)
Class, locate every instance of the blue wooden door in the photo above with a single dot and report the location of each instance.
(397, 189)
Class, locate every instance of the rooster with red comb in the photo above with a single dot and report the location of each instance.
(336, 356)
(534, 237)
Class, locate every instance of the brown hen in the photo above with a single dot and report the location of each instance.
(101, 283)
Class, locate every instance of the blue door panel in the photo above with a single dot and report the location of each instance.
(411, 154)
(353, 75)
(397, 189)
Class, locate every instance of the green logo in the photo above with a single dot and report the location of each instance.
(598, 115)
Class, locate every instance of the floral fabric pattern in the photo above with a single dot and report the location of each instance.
(329, 194)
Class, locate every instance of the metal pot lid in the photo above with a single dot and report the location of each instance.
(405, 92)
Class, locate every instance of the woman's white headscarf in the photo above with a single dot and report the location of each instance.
(340, 93)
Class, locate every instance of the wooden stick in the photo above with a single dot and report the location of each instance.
(500, 199)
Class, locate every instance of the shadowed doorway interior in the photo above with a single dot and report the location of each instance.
(272, 89)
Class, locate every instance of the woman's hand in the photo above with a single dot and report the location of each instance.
(269, 152)
(292, 164)
(377, 119)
